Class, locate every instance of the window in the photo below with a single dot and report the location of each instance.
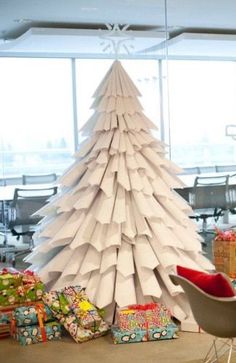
(36, 115)
(144, 73)
(202, 97)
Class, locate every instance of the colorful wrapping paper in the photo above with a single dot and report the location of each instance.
(32, 334)
(6, 316)
(80, 334)
(65, 309)
(143, 335)
(17, 287)
(9, 280)
(143, 316)
(28, 315)
(82, 308)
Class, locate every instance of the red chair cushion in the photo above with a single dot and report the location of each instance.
(214, 284)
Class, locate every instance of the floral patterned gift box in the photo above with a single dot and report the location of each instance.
(64, 311)
(143, 316)
(86, 312)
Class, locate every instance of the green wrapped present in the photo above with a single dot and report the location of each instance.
(11, 296)
(10, 279)
(32, 334)
(34, 291)
(143, 335)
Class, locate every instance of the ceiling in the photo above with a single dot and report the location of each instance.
(31, 26)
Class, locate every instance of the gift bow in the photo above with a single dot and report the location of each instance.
(11, 271)
(145, 307)
(229, 235)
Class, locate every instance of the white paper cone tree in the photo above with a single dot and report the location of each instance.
(117, 227)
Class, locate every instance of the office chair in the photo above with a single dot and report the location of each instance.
(209, 198)
(215, 315)
(22, 218)
(38, 179)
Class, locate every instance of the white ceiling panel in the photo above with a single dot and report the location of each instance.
(197, 46)
(79, 42)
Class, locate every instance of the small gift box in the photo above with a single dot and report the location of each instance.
(143, 335)
(28, 315)
(143, 316)
(80, 334)
(83, 309)
(65, 308)
(224, 252)
(32, 334)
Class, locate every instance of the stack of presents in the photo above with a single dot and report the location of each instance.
(31, 315)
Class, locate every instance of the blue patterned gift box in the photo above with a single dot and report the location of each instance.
(143, 335)
(32, 334)
(28, 315)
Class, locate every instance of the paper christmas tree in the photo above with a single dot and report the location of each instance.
(117, 227)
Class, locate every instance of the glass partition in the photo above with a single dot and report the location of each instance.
(201, 77)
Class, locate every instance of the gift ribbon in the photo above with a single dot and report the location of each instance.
(42, 316)
(144, 307)
(10, 271)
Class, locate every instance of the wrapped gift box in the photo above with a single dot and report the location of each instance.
(66, 310)
(224, 252)
(17, 287)
(143, 335)
(9, 279)
(80, 334)
(33, 292)
(32, 334)
(28, 315)
(11, 296)
(82, 308)
(6, 316)
(143, 316)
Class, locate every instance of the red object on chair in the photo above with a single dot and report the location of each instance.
(216, 284)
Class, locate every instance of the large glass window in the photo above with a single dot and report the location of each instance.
(144, 73)
(202, 101)
(36, 115)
